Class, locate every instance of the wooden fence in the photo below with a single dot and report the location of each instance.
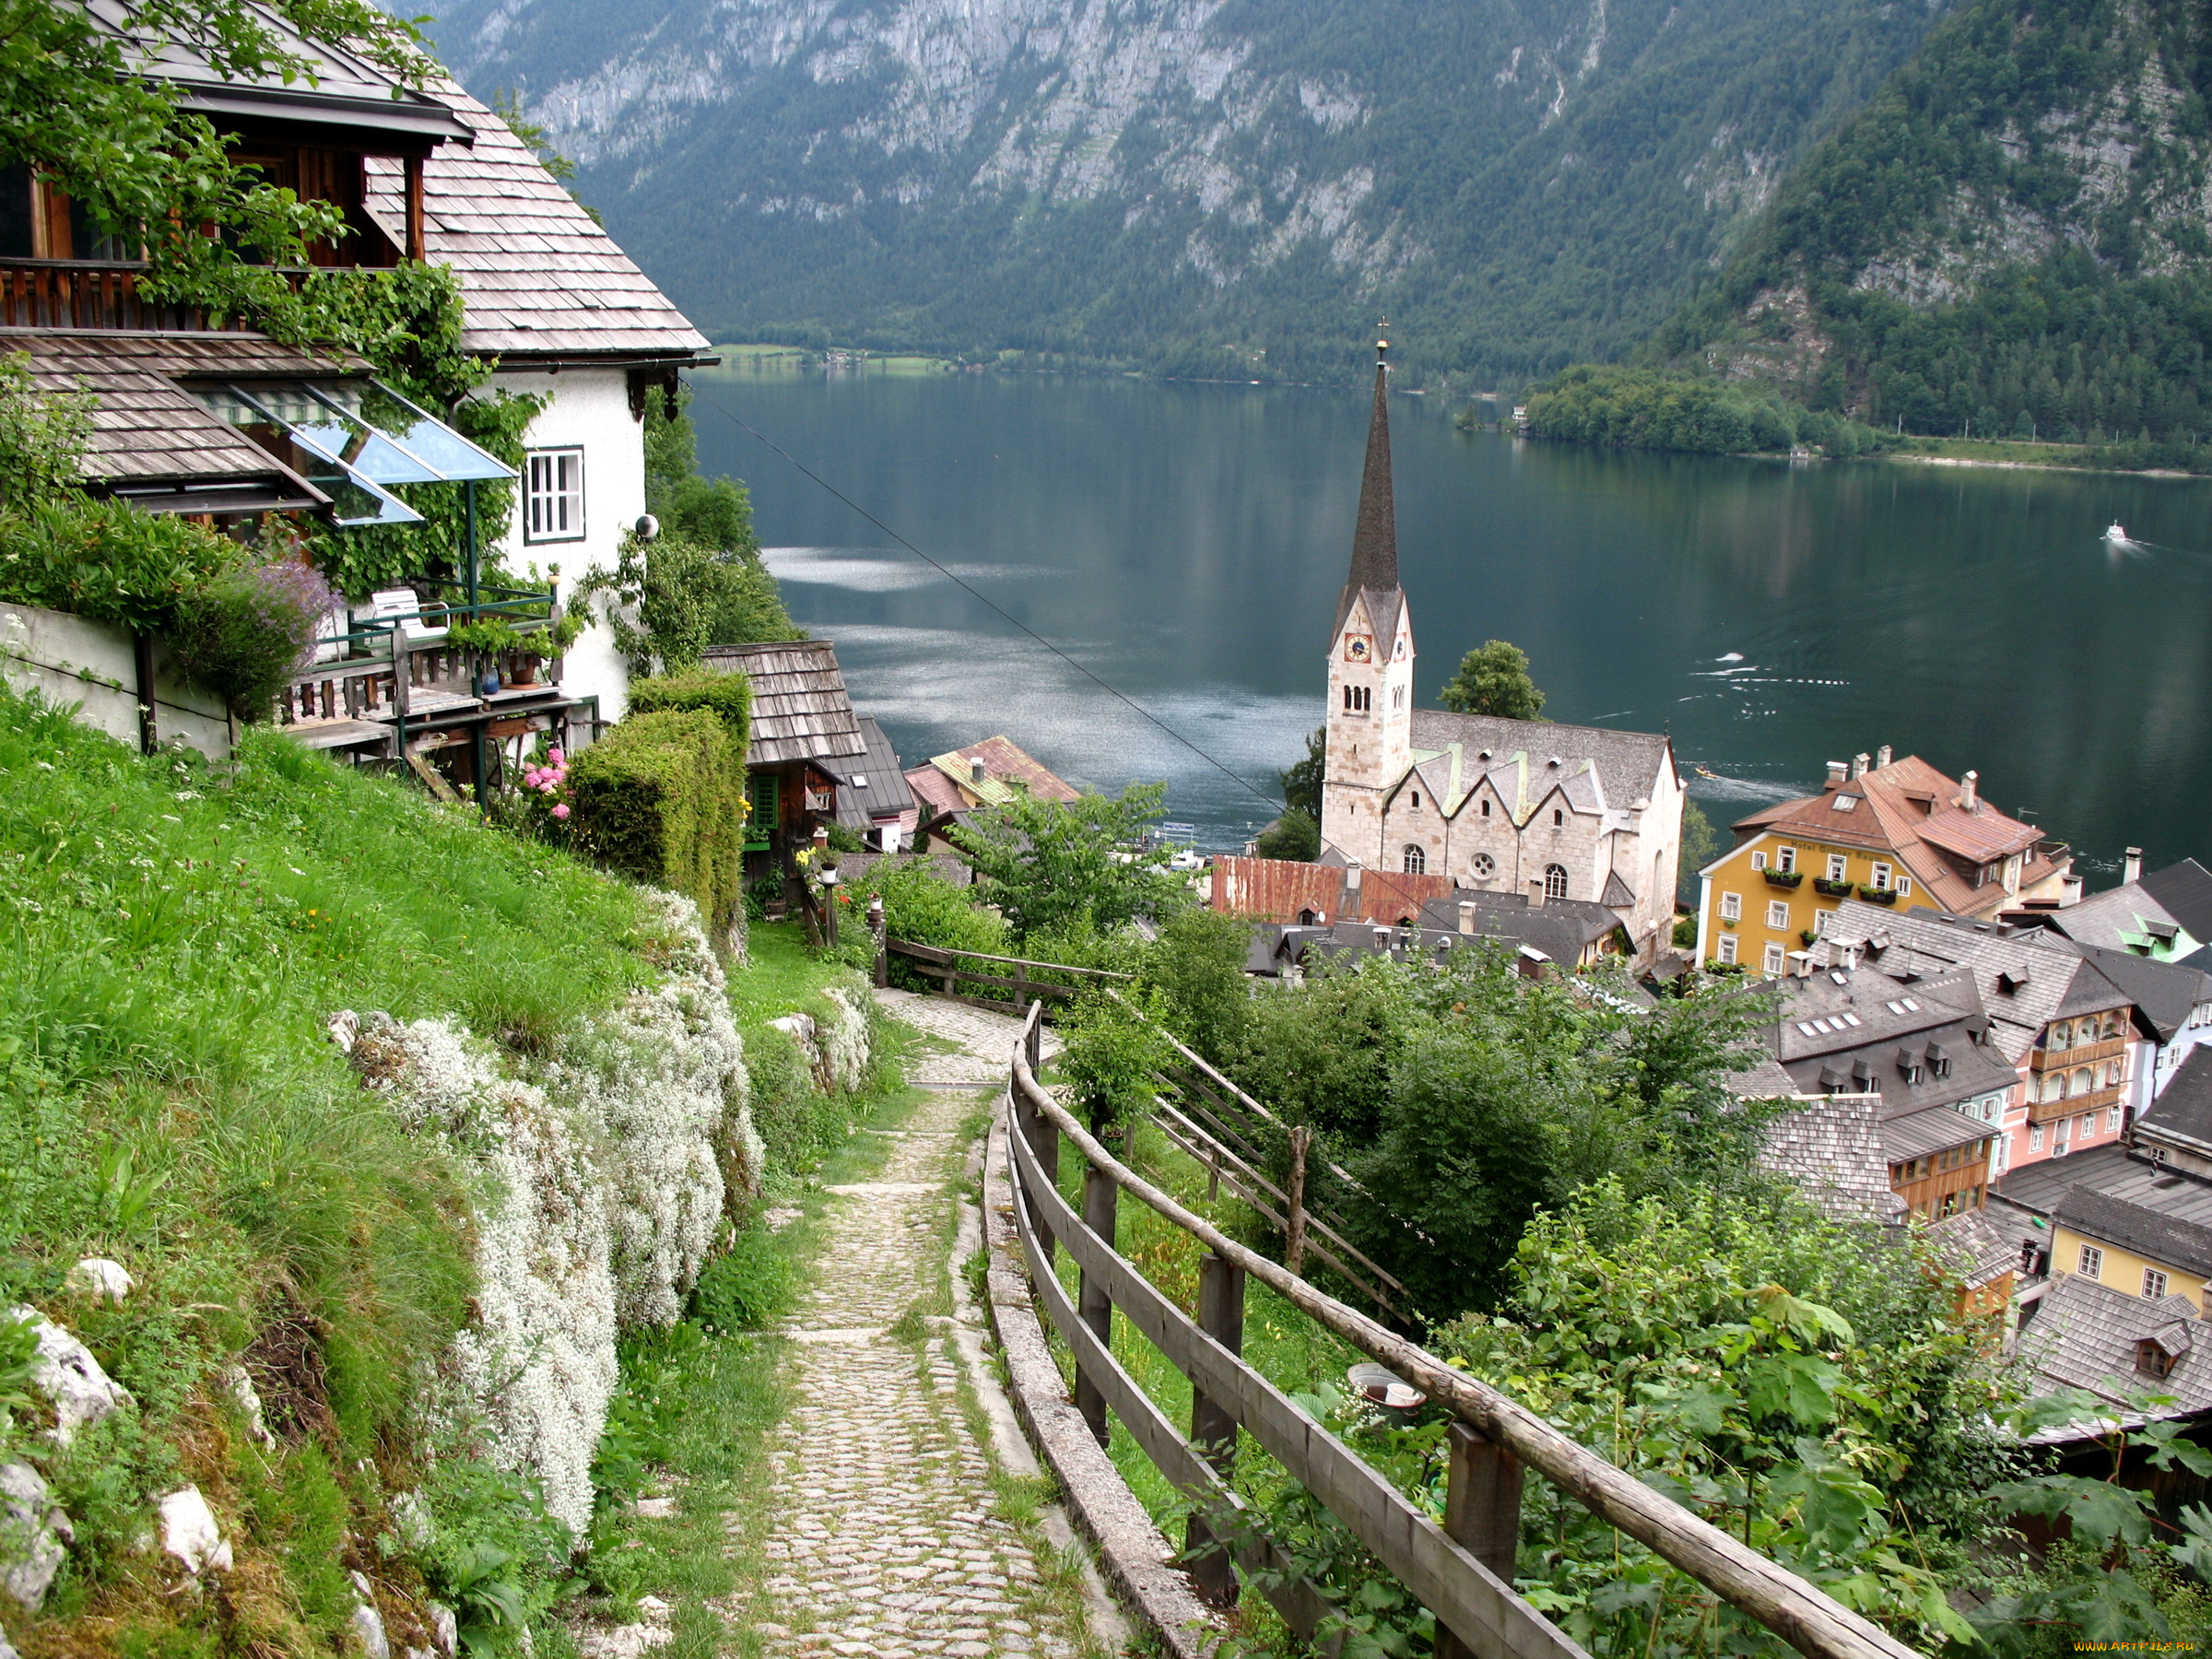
(1461, 1571)
(943, 966)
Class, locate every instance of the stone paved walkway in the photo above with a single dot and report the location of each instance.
(886, 1540)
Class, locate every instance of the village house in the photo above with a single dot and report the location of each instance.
(949, 788)
(2166, 916)
(805, 740)
(1528, 807)
(1896, 834)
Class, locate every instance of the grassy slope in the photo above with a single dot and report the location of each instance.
(175, 939)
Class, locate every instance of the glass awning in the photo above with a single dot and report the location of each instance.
(356, 441)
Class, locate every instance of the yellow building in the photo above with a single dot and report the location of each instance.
(1896, 832)
(2129, 1248)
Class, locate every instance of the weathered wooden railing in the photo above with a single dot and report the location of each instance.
(83, 293)
(1461, 1571)
(935, 963)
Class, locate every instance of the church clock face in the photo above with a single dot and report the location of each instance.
(1358, 647)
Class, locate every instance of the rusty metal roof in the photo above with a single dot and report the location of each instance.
(801, 709)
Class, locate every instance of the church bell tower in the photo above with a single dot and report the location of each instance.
(1371, 661)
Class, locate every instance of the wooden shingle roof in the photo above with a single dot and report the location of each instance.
(539, 276)
(801, 709)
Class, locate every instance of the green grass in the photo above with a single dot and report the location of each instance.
(173, 940)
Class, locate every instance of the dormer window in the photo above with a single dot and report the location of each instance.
(2151, 1360)
(1844, 803)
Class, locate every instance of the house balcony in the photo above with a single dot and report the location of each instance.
(92, 294)
(2086, 1054)
(2097, 1100)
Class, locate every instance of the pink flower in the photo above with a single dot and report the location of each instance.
(562, 811)
(557, 757)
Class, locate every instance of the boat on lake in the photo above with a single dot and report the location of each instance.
(2116, 532)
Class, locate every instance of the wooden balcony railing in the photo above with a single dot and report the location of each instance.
(2097, 1100)
(2084, 1053)
(87, 293)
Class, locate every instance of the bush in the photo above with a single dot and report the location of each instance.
(243, 633)
(661, 798)
(921, 906)
(747, 1288)
(727, 697)
(1294, 837)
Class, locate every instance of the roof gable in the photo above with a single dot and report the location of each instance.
(801, 709)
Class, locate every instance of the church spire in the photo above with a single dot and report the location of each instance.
(1375, 539)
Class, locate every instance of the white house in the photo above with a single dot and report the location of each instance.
(563, 310)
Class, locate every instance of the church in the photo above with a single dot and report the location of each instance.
(1523, 807)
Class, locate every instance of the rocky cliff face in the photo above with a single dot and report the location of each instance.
(1239, 184)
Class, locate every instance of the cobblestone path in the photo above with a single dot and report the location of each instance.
(887, 1538)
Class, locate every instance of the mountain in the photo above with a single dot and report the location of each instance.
(1225, 186)
(2016, 233)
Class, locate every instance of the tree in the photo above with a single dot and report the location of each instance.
(1301, 784)
(1295, 836)
(1494, 680)
(1700, 844)
(1061, 866)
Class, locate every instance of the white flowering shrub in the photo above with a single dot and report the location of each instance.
(537, 1362)
(843, 1038)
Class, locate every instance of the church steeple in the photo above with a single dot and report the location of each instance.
(1375, 538)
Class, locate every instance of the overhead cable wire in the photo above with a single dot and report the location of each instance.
(1105, 685)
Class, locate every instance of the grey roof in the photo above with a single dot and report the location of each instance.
(2181, 1115)
(2085, 1336)
(1838, 1009)
(2165, 993)
(1763, 1079)
(1561, 928)
(801, 709)
(1973, 1249)
(2026, 978)
(1831, 1147)
(1629, 764)
(1934, 1129)
(148, 426)
(1618, 895)
(2136, 1226)
(539, 277)
(1375, 533)
(2184, 892)
(1880, 1067)
(871, 784)
(2113, 919)
(2112, 1169)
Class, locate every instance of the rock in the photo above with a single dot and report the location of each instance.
(32, 1532)
(100, 1279)
(249, 1400)
(411, 1520)
(654, 1509)
(344, 1027)
(7, 1648)
(445, 1630)
(190, 1534)
(368, 1623)
(66, 1372)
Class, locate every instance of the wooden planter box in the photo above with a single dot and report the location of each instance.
(1831, 889)
(1792, 879)
(1878, 895)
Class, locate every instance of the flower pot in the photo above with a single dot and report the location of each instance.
(521, 669)
(1784, 879)
(489, 685)
(1878, 895)
(1831, 889)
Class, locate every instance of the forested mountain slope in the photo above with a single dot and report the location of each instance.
(1233, 186)
(2016, 232)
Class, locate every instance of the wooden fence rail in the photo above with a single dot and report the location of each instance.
(936, 963)
(1461, 1571)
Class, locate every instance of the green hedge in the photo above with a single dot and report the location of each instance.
(661, 798)
(727, 697)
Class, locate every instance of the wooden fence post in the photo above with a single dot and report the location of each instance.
(1294, 1209)
(1093, 1306)
(1482, 1511)
(1213, 1429)
(880, 931)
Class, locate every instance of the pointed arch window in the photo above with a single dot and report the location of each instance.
(1555, 881)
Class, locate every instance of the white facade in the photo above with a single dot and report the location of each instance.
(588, 419)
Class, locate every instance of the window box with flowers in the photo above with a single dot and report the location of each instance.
(1873, 895)
(1832, 890)
(1792, 879)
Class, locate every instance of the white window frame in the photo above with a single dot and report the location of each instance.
(1820, 920)
(1727, 951)
(1777, 913)
(1758, 862)
(2035, 1137)
(2089, 1264)
(1772, 961)
(2154, 1283)
(1839, 868)
(1731, 907)
(1904, 887)
(552, 508)
(1787, 860)
(1882, 873)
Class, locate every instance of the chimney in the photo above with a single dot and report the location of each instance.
(1836, 769)
(1535, 892)
(1467, 915)
(2131, 868)
(975, 771)
(1970, 791)
(1881, 756)
(1858, 764)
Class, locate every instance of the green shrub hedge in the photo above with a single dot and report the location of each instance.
(661, 798)
(727, 697)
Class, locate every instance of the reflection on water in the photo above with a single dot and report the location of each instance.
(1185, 543)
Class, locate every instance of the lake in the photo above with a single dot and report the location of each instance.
(1185, 545)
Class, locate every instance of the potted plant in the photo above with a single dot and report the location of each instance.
(1831, 889)
(484, 640)
(532, 648)
(1873, 895)
(1784, 879)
